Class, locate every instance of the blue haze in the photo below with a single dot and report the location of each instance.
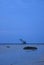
(22, 19)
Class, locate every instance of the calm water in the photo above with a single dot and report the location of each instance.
(15, 55)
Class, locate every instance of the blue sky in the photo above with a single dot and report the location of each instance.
(21, 19)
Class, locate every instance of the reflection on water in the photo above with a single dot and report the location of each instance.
(15, 55)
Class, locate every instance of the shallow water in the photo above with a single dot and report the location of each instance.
(16, 55)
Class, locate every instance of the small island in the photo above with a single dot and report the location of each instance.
(30, 48)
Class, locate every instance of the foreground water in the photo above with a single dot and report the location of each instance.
(16, 55)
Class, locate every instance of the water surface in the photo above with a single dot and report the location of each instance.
(16, 55)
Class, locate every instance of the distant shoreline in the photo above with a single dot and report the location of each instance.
(21, 44)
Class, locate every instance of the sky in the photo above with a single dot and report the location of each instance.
(22, 19)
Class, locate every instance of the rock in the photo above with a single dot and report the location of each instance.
(30, 48)
(11, 64)
(8, 46)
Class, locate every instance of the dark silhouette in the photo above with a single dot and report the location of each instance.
(30, 48)
(24, 42)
